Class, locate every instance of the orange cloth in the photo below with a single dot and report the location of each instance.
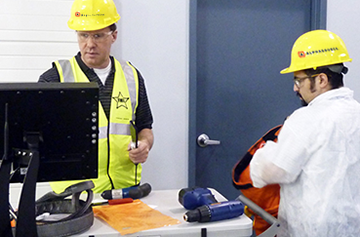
(268, 197)
(132, 217)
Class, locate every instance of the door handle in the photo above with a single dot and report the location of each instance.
(203, 140)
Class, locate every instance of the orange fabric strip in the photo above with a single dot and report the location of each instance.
(132, 217)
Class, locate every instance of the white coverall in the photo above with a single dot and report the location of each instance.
(316, 161)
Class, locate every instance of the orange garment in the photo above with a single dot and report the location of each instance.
(267, 197)
(132, 217)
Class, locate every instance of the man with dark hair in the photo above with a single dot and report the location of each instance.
(122, 95)
(316, 159)
(334, 74)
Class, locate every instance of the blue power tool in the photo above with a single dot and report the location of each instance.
(135, 192)
(203, 207)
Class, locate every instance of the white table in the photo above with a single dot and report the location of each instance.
(166, 201)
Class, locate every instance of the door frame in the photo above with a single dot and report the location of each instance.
(317, 21)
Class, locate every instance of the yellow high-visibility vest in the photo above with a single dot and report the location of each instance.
(115, 169)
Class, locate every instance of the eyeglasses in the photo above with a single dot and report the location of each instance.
(97, 38)
(298, 80)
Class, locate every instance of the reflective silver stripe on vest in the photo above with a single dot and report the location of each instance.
(130, 80)
(68, 74)
(115, 128)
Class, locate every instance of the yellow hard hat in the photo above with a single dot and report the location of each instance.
(87, 15)
(315, 49)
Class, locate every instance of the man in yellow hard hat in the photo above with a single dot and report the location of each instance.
(316, 159)
(122, 95)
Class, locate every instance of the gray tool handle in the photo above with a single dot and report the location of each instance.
(275, 224)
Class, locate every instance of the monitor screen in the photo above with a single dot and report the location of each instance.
(62, 119)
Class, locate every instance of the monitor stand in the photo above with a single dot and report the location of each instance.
(5, 228)
(26, 222)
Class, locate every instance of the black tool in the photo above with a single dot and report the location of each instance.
(134, 144)
(135, 192)
(215, 212)
(205, 208)
(192, 198)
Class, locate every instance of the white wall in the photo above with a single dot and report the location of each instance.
(33, 33)
(343, 19)
(153, 35)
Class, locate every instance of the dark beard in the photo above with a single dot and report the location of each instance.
(303, 102)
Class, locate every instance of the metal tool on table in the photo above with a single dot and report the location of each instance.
(135, 192)
(112, 201)
(203, 207)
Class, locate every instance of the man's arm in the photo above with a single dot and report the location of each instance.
(50, 75)
(262, 170)
(143, 115)
(143, 122)
(146, 135)
(279, 162)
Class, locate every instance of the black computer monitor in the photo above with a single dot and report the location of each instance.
(64, 119)
(48, 132)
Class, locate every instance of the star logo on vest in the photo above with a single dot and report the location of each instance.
(121, 101)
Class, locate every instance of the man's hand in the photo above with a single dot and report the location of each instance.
(140, 154)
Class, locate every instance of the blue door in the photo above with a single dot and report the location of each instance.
(237, 49)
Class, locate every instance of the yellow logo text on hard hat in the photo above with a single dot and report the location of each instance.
(88, 15)
(317, 48)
